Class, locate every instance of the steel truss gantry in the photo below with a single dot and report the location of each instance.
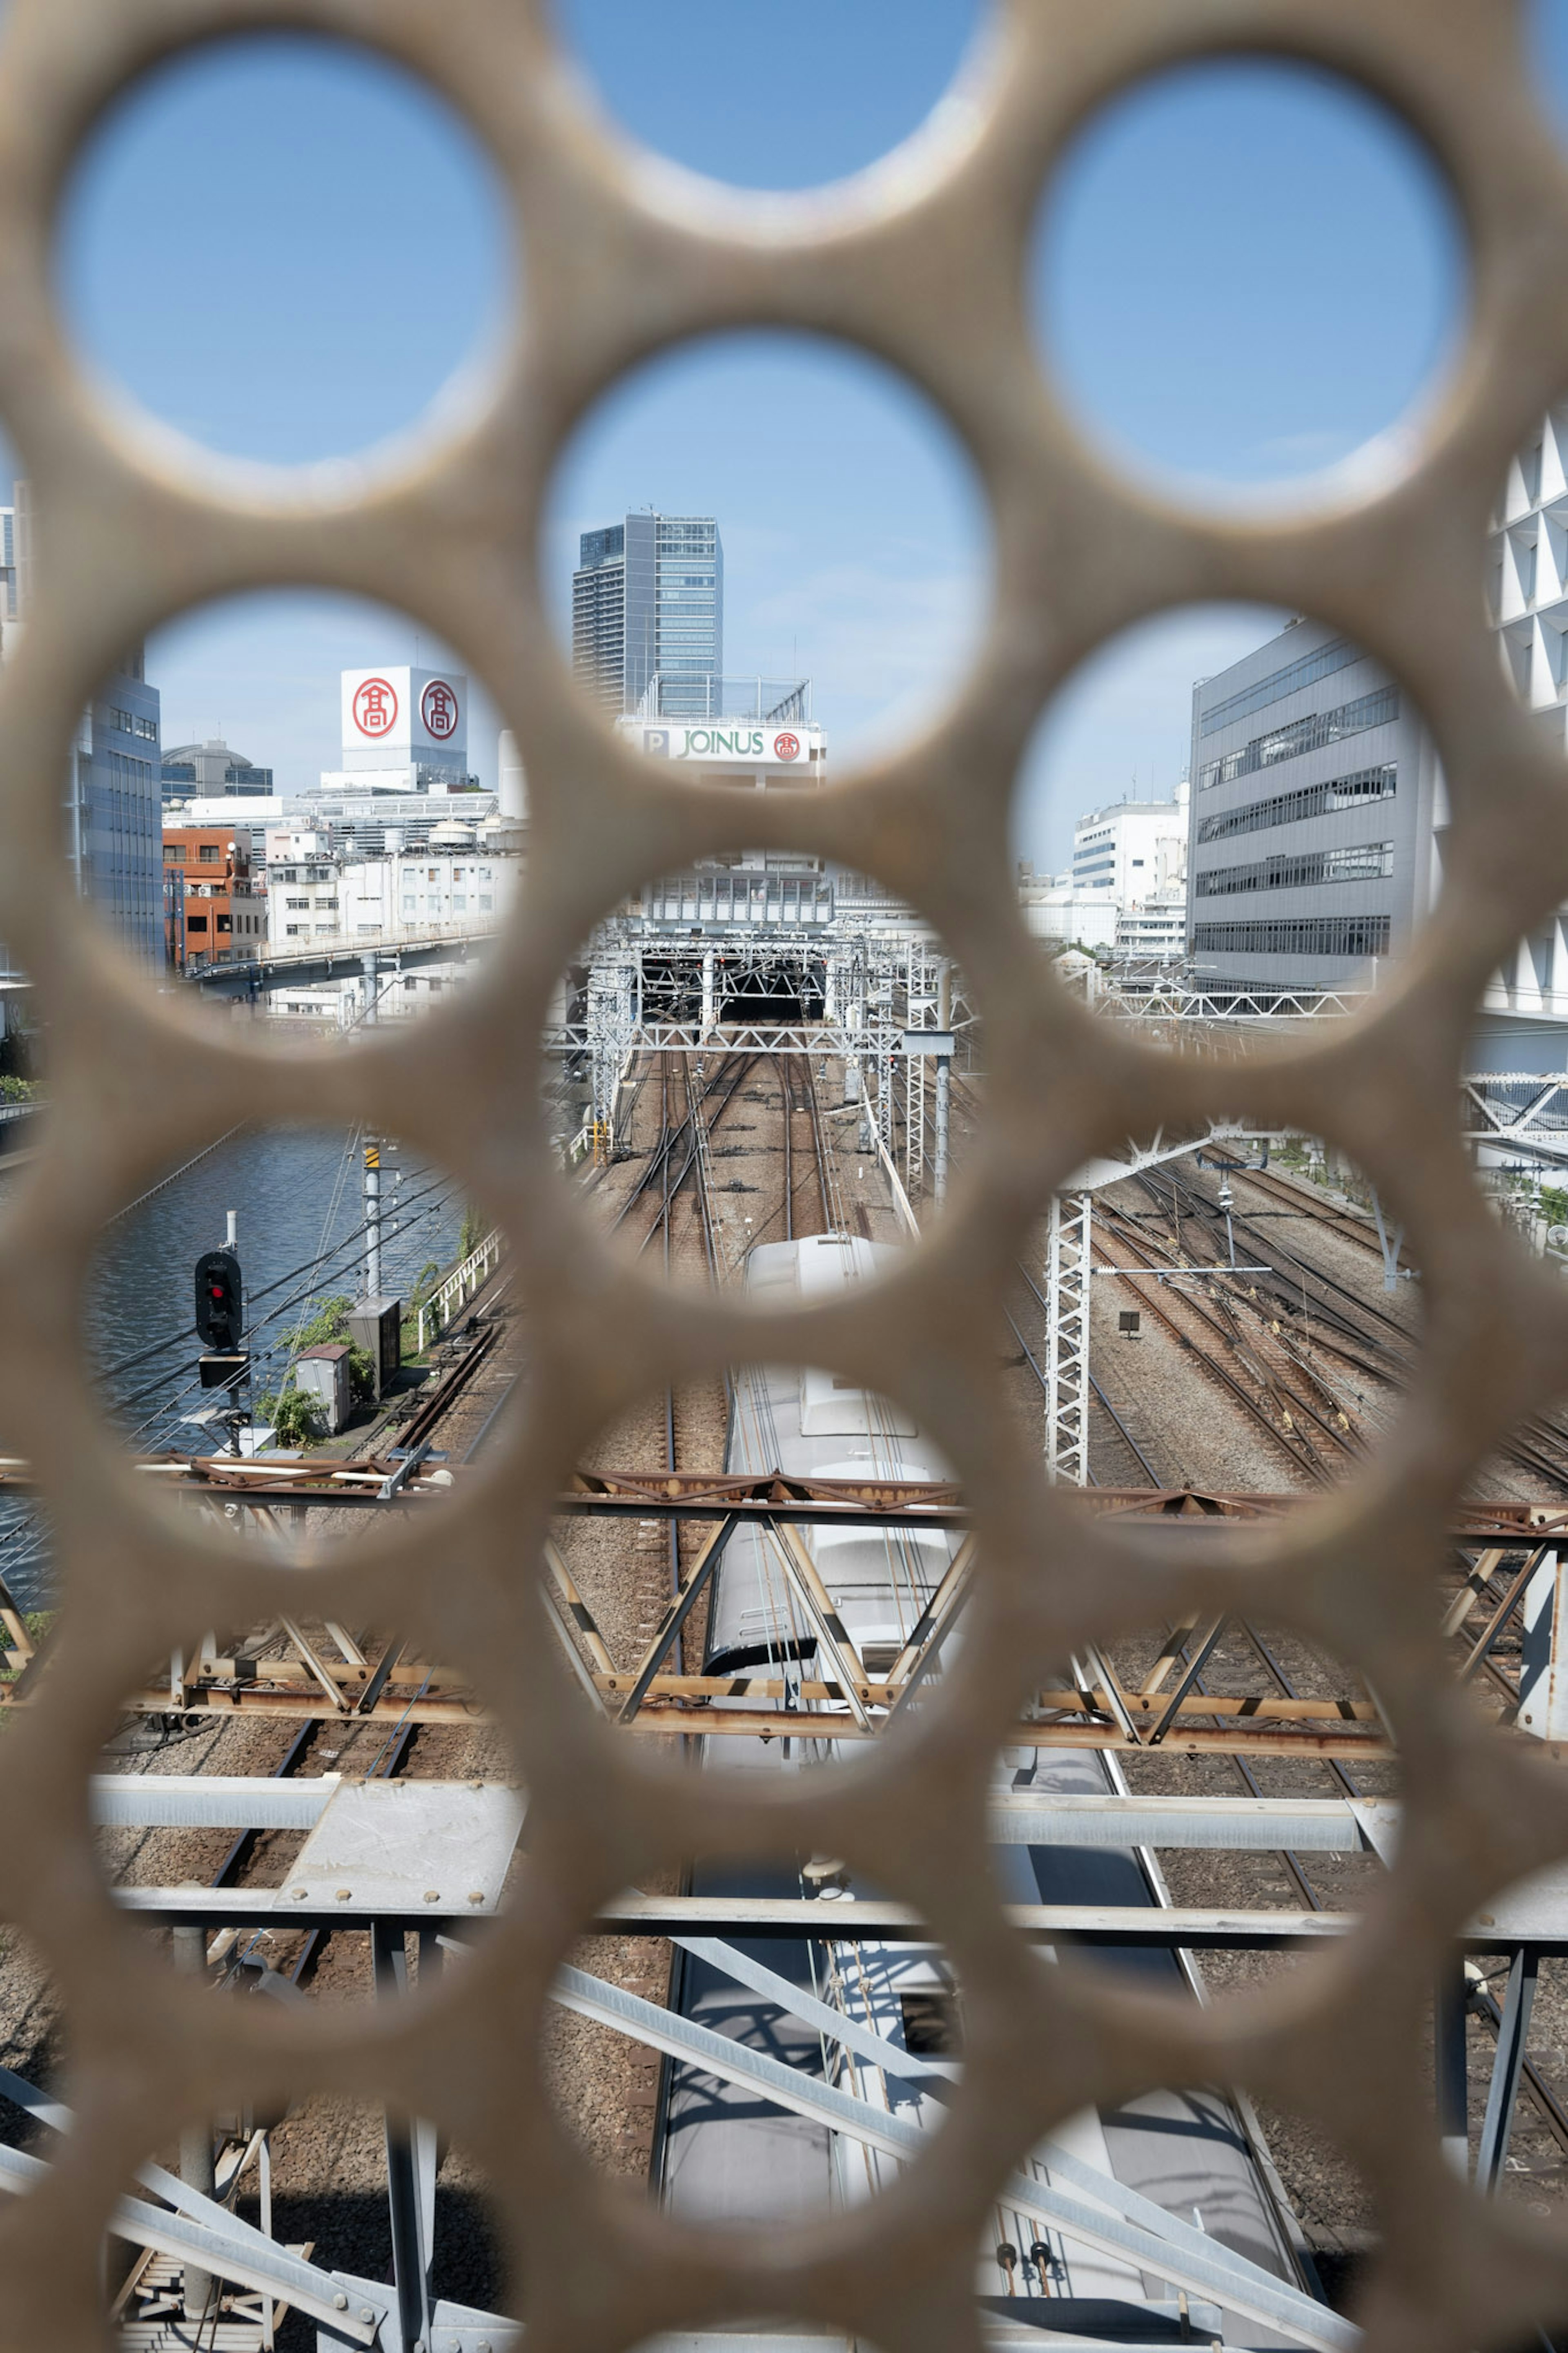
(1067, 1263)
(873, 987)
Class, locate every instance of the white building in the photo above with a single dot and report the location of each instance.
(403, 731)
(1133, 850)
(304, 898)
(459, 882)
(1157, 931)
(445, 886)
(1530, 611)
(1055, 910)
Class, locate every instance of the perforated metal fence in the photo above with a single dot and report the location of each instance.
(922, 262)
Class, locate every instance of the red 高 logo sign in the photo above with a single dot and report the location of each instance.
(375, 707)
(439, 710)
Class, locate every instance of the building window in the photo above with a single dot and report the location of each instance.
(208, 853)
(294, 904)
(196, 922)
(487, 903)
(1354, 791)
(1368, 862)
(1340, 936)
(1307, 735)
(1318, 664)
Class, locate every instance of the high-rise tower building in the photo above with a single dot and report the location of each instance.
(647, 605)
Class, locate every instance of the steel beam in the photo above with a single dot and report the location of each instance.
(1502, 2093)
(1119, 2221)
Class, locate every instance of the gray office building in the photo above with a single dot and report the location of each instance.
(211, 770)
(1315, 817)
(647, 609)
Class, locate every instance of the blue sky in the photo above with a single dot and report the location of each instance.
(1242, 272)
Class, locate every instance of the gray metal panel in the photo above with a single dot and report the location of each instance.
(392, 1847)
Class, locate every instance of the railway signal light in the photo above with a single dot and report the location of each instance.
(220, 1305)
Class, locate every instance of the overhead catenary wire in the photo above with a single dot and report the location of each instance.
(188, 1331)
(283, 1308)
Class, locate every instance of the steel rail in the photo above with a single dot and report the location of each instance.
(1518, 1448)
(1286, 1396)
(1286, 1440)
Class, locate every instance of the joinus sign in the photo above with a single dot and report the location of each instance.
(736, 743)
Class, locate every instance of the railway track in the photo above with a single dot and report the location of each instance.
(1341, 1319)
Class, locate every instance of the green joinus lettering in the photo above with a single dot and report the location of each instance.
(738, 743)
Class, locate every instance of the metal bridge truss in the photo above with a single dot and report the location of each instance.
(878, 2095)
(1518, 1112)
(847, 996)
(1151, 996)
(1511, 1563)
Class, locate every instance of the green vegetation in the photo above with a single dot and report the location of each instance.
(473, 1233)
(431, 1275)
(1554, 1205)
(14, 1090)
(327, 1328)
(292, 1414)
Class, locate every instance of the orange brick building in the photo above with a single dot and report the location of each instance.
(215, 911)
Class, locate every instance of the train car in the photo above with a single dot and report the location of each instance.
(723, 2152)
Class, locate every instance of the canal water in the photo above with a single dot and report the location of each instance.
(298, 1193)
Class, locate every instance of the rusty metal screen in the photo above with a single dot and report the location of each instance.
(920, 261)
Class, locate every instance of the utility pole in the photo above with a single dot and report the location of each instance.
(372, 1220)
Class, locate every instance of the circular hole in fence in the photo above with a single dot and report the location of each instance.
(321, 2181)
(767, 1634)
(1230, 825)
(772, 539)
(298, 810)
(300, 1332)
(332, 2159)
(707, 2065)
(1249, 350)
(308, 1810)
(766, 1048)
(1222, 1765)
(701, 84)
(345, 272)
(1252, 1327)
(1194, 2173)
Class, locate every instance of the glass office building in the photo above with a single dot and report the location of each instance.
(648, 604)
(115, 810)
